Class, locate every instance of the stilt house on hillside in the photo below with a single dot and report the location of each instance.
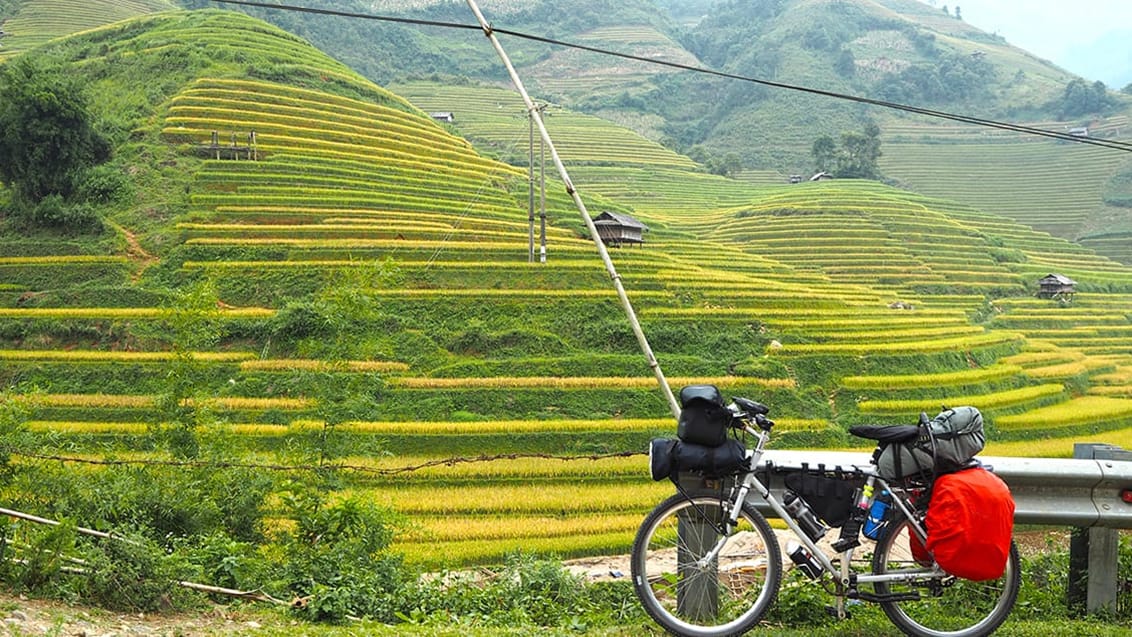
(617, 229)
(1054, 286)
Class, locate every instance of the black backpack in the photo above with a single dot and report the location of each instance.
(704, 419)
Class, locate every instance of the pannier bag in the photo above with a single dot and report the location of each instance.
(946, 443)
(970, 521)
(704, 418)
(668, 457)
(829, 494)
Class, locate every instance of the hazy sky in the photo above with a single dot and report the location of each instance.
(1092, 38)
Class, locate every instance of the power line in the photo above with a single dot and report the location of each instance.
(966, 119)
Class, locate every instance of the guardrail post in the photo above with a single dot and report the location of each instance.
(1094, 552)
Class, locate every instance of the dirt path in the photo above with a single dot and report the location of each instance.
(134, 250)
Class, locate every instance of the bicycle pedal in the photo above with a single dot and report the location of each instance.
(832, 611)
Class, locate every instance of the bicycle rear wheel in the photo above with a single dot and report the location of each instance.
(962, 609)
(725, 596)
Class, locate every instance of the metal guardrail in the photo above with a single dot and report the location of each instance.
(1047, 491)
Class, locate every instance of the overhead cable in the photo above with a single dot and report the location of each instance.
(966, 119)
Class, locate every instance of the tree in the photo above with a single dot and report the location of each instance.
(47, 139)
(846, 64)
(1080, 98)
(859, 154)
(824, 152)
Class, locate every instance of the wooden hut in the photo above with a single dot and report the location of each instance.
(1053, 286)
(617, 229)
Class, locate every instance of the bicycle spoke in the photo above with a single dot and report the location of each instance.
(724, 596)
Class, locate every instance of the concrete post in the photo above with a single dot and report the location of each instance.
(699, 597)
(1094, 552)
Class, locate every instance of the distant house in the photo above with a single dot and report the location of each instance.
(822, 176)
(1079, 131)
(795, 179)
(443, 116)
(1054, 286)
(616, 229)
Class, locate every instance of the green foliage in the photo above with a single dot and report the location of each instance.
(14, 414)
(527, 590)
(40, 563)
(336, 559)
(951, 78)
(47, 137)
(1118, 190)
(1081, 98)
(855, 158)
(134, 574)
(800, 602)
(192, 323)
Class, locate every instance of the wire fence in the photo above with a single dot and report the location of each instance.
(386, 471)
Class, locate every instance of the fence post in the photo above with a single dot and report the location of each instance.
(1094, 552)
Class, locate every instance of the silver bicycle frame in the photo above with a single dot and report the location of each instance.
(751, 483)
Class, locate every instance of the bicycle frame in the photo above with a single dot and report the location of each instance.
(706, 563)
(846, 580)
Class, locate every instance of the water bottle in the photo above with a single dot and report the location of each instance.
(876, 520)
(805, 561)
(800, 511)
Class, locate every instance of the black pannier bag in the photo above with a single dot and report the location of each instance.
(704, 419)
(668, 457)
(946, 443)
(829, 493)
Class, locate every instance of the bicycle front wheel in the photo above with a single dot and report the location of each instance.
(959, 608)
(692, 596)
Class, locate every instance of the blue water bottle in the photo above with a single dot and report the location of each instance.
(877, 520)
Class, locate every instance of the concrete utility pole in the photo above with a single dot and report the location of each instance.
(542, 199)
(536, 119)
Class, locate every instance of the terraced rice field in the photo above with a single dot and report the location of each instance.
(1043, 183)
(37, 23)
(834, 302)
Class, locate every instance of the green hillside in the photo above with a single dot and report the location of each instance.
(361, 275)
(904, 51)
(25, 25)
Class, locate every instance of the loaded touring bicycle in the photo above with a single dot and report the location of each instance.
(895, 531)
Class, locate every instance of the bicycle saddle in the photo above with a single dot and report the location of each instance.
(886, 434)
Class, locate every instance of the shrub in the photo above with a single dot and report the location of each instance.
(53, 211)
(336, 560)
(135, 575)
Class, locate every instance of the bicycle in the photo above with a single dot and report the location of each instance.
(706, 563)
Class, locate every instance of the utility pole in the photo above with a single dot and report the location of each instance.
(531, 185)
(542, 199)
(646, 349)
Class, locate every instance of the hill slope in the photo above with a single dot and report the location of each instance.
(900, 50)
(26, 25)
(361, 275)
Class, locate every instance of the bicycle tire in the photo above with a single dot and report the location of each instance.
(964, 608)
(725, 597)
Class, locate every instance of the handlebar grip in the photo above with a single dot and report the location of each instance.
(751, 407)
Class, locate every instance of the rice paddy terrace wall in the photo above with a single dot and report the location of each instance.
(370, 250)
